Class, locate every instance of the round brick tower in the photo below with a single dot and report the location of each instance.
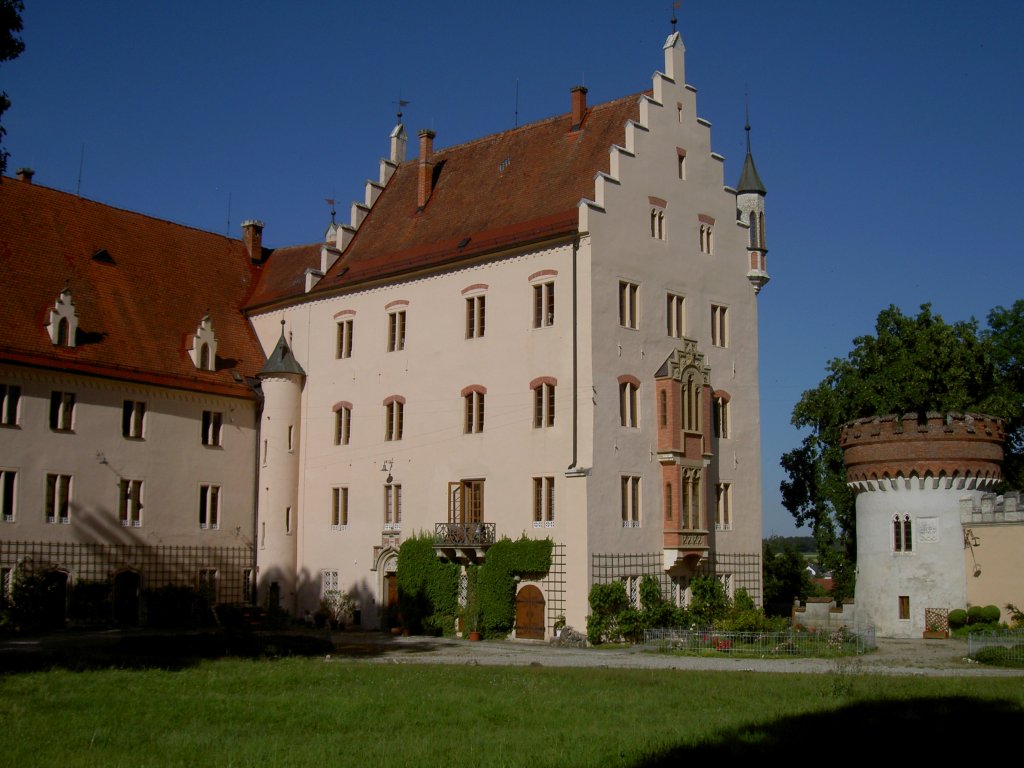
(909, 475)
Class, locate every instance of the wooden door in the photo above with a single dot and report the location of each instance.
(530, 613)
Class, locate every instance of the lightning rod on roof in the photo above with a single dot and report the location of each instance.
(81, 162)
(227, 231)
(517, 103)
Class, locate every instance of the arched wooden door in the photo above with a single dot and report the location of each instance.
(530, 613)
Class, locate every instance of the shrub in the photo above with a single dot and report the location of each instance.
(607, 601)
(709, 600)
(1016, 616)
(974, 614)
(990, 614)
(91, 602)
(427, 588)
(957, 618)
(175, 607)
(1000, 656)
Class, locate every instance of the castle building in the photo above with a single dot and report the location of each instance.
(549, 332)
(924, 503)
(127, 420)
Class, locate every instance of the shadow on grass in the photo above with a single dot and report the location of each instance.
(148, 649)
(945, 728)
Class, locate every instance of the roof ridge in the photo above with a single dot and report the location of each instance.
(129, 211)
(530, 126)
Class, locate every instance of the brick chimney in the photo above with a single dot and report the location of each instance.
(252, 236)
(26, 174)
(579, 106)
(426, 169)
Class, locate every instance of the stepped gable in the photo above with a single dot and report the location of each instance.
(140, 288)
(949, 450)
(503, 190)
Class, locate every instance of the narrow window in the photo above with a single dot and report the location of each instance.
(476, 316)
(63, 332)
(132, 416)
(204, 358)
(342, 425)
(62, 411)
(473, 418)
(691, 389)
(396, 330)
(628, 304)
(675, 316)
(543, 502)
(212, 421)
(681, 161)
(8, 478)
(209, 507)
(344, 339)
(668, 501)
(904, 606)
(10, 397)
(908, 538)
(339, 509)
(543, 304)
(630, 499)
(721, 417)
(291, 438)
(394, 417)
(58, 499)
(288, 521)
(707, 239)
(628, 414)
(544, 405)
(902, 534)
(663, 403)
(723, 507)
(129, 507)
(393, 507)
(719, 326)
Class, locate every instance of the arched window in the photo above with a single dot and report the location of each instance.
(63, 332)
(753, 229)
(204, 357)
(902, 534)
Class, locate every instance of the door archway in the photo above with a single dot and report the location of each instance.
(529, 613)
(126, 597)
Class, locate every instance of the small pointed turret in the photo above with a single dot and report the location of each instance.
(750, 194)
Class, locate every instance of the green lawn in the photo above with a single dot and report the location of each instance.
(315, 713)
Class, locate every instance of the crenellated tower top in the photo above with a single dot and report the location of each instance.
(935, 450)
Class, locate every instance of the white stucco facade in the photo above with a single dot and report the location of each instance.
(659, 257)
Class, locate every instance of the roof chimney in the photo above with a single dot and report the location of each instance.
(426, 177)
(579, 106)
(252, 237)
(26, 174)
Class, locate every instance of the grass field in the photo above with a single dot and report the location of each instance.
(308, 712)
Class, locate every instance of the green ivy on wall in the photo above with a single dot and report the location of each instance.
(428, 588)
(495, 580)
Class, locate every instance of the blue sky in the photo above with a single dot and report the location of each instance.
(888, 134)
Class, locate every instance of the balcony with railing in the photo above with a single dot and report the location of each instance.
(463, 542)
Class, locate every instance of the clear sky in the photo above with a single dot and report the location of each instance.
(887, 133)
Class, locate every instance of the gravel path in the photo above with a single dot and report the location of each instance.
(892, 657)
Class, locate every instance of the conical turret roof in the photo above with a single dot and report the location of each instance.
(282, 360)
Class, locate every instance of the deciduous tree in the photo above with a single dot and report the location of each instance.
(911, 365)
(11, 47)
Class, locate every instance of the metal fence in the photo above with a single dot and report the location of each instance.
(225, 571)
(761, 645)
(999, 648)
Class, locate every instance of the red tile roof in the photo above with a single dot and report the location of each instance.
(136, 314)
(503, 190)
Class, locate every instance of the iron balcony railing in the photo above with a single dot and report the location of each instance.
(464, 534)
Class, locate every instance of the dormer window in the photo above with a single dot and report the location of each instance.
(63, 323)
(204, 346)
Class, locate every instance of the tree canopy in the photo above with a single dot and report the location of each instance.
(911, 365)
(11, 47)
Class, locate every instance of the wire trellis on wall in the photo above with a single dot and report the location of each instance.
(554, 586)
(741, 570)
(229, 570)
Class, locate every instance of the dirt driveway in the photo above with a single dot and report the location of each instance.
(892, 657)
